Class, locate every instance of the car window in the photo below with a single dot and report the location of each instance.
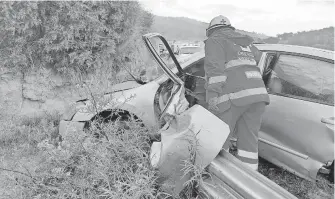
(303, 77)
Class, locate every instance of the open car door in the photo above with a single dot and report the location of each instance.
(187, 137)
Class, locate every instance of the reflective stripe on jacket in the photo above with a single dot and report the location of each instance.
(231, 71)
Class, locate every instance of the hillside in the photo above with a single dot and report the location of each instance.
(322, 38)
(179, 28)
(182, 28)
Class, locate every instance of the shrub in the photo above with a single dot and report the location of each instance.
(69, 34)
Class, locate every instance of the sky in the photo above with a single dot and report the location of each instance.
(270, 17)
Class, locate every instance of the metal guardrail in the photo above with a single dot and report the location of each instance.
(214, 188)
(231, 179)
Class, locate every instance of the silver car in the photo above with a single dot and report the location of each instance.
(297, 132)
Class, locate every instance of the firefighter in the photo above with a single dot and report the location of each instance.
(235, 91)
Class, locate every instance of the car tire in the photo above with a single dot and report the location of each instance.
(121, 117)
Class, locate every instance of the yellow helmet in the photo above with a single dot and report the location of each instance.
(219, 21)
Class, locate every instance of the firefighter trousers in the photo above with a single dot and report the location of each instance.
(244, 122)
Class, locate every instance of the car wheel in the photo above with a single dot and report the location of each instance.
(121, 119)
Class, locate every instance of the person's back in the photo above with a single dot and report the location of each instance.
(235, 91)
(231, 50)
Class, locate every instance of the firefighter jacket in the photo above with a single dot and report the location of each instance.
(231, 71)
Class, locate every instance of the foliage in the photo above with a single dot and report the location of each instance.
(271, 40)
(69, 34)
(95, 168)
(323, 38)
(99, 168)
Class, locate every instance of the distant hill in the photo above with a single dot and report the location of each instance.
(182, 28)
(186, 29)
(322, 38)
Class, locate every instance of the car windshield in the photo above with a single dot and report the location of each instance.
(143, 66)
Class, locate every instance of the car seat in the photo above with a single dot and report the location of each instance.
(275, 85)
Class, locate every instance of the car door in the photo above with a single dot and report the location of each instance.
(297, 131)
(166, 63)
(184, 126)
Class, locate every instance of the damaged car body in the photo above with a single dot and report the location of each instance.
(297, 131)
(159, 100)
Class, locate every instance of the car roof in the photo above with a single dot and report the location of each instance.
(328, 54)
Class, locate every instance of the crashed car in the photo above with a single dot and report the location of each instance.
(161, 90)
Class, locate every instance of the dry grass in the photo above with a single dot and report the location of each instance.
(97, 168)
(299, 187)
(19, 154)
(117, 167)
